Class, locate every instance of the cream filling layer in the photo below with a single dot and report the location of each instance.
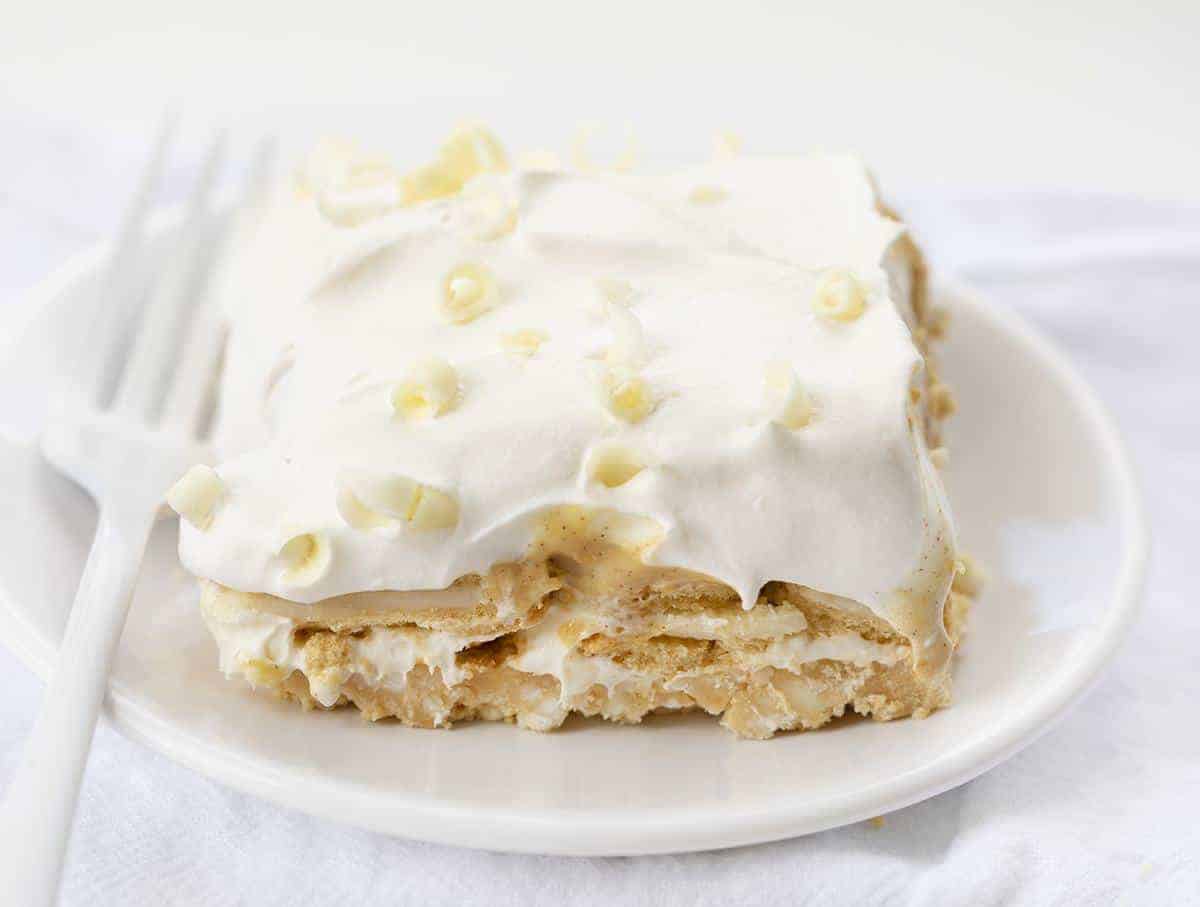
(252, 641)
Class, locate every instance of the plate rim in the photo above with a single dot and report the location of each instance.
(617, 832)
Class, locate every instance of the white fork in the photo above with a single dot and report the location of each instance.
(128, 428)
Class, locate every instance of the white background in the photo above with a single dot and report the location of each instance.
(962, 111)
(1079, 93)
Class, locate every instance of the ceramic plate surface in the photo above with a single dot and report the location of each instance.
(1043, 495)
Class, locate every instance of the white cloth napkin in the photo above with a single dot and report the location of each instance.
(1103, 809)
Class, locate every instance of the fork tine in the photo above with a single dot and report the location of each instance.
(96, 358)
(194, 381)
(141, 387)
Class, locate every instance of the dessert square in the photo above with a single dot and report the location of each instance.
(516, 440)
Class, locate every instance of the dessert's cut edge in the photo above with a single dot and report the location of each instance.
(573, 628)
(795, 660)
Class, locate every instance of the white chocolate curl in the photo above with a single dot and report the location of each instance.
(306, 558)
(196, 495)
(467, 292)
(628, 348)
(626, 397)
(429, 389)
(612, 463)
(369, 501)
(786, 401)
(435, 510)
(350, 186)
(358, 514)
(471, 150)
(840, 296)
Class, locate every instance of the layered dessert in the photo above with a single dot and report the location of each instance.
(515, 439)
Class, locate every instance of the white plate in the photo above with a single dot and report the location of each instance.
(1043, 493)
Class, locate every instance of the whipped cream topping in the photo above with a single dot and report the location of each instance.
(659, 323)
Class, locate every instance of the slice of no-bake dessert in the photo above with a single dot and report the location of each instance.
(505, 442)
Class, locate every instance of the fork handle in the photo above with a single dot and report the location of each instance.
(35, 823)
